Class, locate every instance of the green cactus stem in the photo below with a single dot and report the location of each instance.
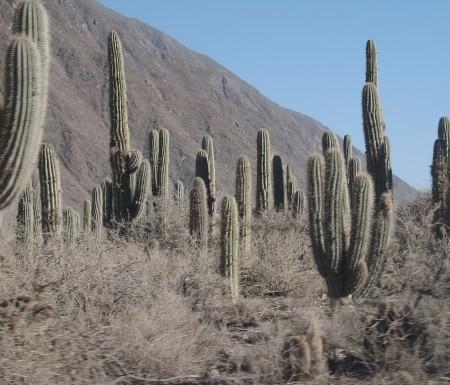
(154, 159)
(278, 183)
(142, 191)
(25, 216)
(264, 198)
(198, 213)
(97, 213)
(229, 262)
(178, 196)
(329, 141)
(163, 164)
(51, 200)
(107, 193)
(371, 63)
(208, 146)
(244, 202)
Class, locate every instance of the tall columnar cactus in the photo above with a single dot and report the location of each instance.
(244, 201)
(348, 150)
(87, 216)
(349, 241)
(107, 196)
(264, 197)
(229, 261)
(97, 213)
(142, 191)
(154, 159)
(371, 63)
(298, 206)
(25, 216)
(178, 196)
(198, 213)
(163, 164)
(440, 175)
(290, 186)
(202, 170)
(377, 144)
(329, 141)
(51, 199)
(71, 220)
(126, 164)
(354, 168)
(208, 146)
(278, 183)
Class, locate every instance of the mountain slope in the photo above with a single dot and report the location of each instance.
(168, 85)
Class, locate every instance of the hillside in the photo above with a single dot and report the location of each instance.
(168, 85)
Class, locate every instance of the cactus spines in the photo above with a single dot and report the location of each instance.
(120, 136)
(71, 220)
(244, 201)
(31, 21)
(198, 213)
(142, 191)
(329, 141)
(178, 196)
(371, 63)
(107, 193)
(202, 170)
(163, 164)
(229, 262)
(51, 200)
(298, 204)
(97, 213)
(87, 216)
(264, 198)
(208, 146)
(354, 168)
(154, 159)
(290, 186)
(278, 183)
(25, 216)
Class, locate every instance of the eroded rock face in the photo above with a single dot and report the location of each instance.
(168, 86)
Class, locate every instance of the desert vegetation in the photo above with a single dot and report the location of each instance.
(170, 283)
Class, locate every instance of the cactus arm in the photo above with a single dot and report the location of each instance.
(329, 142)
(371, 63)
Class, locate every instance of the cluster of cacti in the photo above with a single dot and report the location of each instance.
(26, 84)
(303, 356)
(351, 213)
(229, 260)
(440, 176)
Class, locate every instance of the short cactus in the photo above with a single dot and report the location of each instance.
(51, 200)
(290, 186)
(298, 205)
(87, 216)
(229, 261)
(278, 183)
(264, 197)
(244, 201)
(178, 196)
(198, 213)
(97, 213)
(71, 220)
(107, 197)
(25, 216)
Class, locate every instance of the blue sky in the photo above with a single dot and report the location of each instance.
(309, 56)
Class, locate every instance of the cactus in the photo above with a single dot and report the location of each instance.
(298, 205)
(278, 183)
(49, 177)
(107, 197)
(349, 241)
(290, 186)
(154, 159)
(163, 164)
(37, 208)
(178, 196)
(264, 199)
(198, 213)
(208, 146)
(229, 261)
(348, 153)
(202, 170)
(354, 168)
(371, 63)
(87, 216)
(329, 141)
(129, 187)
(244, 201)
(97, 213)
(25, 216)
(71, 220)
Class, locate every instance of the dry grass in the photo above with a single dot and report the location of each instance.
(157, 312)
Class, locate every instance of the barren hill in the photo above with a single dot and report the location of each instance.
(168, 85)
